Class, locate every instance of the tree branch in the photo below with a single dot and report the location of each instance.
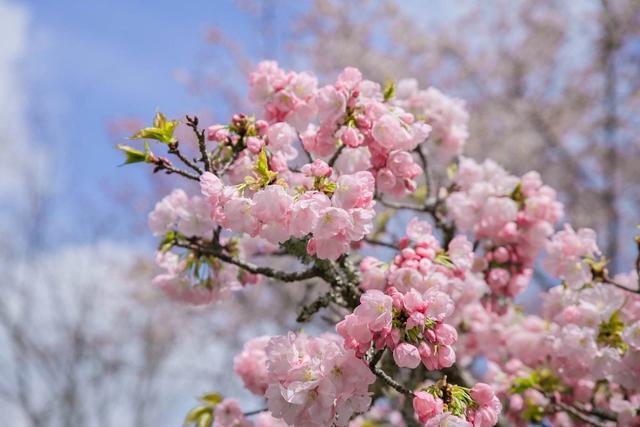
(173, 149)
(373, 365)
(192, 122)
(165, 165)
(335, 156)
(574, 412)
(252, 268)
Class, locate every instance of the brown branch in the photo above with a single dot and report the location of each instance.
(576, 413)
(192, 122)
(252, 268)
(335, 156)
(162, 164)
(373, 365)
(173, 149)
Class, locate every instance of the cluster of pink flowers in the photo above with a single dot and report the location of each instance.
(568, 253)
(352, 113)
(512, 216)
(431, 303)
(276, 215)
(587, 340)
(286, 96)
(447, 117)
(408, 317)
(187, 215)
(180, 282)
(307, 381)
(477, 407)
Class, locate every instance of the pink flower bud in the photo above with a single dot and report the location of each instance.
(446, 356)
(482, 393)
(352, 138)
(406, 356)
(262, 127)
(254, 145)
(446, 334)
(426, 406)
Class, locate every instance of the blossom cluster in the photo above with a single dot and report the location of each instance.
(351, 113)
(586, 343)
(512, 216)
(408, 317)
(333, 219)
(310, 179)
(447, 117)
(310, 381)
(444, 404)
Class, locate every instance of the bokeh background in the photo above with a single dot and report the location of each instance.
(84, 338)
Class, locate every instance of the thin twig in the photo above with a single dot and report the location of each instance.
(373, 365)
(255, 412)
(192, 122)
(427, 171)
(335, 156)
(173, 149)
(377, 242)
(165, 165)
(609, 281)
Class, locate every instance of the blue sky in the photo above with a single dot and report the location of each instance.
(88, 62)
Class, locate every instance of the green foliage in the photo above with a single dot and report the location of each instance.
(162, 130)
(389, 91)
(325, 185)
(456, 399)
(532, 413)
(420, 195)
(263, 176)
(202, 415)
(135, 156)
(542, 379)
(610, 333)
(518, 196)
(168, 241)
(442, 258)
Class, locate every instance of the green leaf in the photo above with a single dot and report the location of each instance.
(610, 333)
(261, 168)
(452, 170)
(442, 258)
(389, 91)
(262, 164)
(522, 384)
(194, 415)
(206, 420)
(533, 413)
(162, 130)
(518, 196)
(168, 241)
(134, 156)
(211, 398)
